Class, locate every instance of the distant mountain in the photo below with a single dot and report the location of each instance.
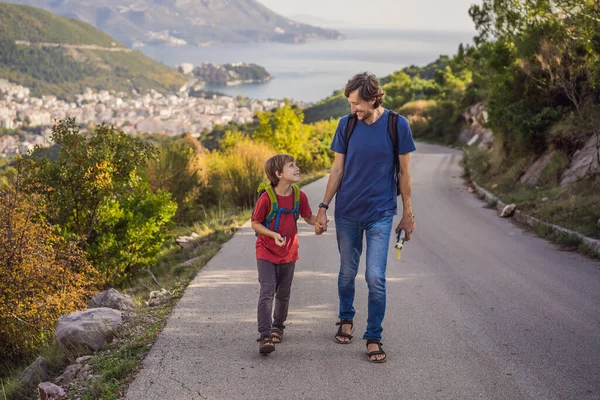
(177, 22)
(60, 56)
(310, 19)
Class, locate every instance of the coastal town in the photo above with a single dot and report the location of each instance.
(133, 113)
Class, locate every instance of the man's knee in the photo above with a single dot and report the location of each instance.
(346, 277)
(375, 282)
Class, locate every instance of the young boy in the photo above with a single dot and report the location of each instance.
(277, 246)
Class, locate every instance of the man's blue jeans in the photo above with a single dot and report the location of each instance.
(350, 243)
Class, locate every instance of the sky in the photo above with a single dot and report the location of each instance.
(438, 15)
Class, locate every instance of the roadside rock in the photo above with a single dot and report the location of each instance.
(532, 174)
(36, 372)
(157, 298)
(508, 210)
(49, 391)
(112, 299)
(91, 329)
(187, 241)
(584, 162)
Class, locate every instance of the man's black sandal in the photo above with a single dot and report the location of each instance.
(343, 334)
(376, 352)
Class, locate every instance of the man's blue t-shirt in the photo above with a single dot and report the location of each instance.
(368, 189)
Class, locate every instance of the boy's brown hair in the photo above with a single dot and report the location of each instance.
(275, 164)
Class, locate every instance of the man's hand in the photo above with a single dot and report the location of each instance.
(318, 228)
(407, 224)
(321, 221)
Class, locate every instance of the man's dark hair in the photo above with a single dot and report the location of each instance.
(368, 88)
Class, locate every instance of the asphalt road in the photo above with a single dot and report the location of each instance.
(477, 309)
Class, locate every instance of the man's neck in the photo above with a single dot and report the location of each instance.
(283, 188)
(375, 115)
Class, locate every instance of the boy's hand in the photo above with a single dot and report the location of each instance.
(318, 228)
(279, 240)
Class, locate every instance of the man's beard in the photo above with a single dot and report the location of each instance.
(366, 115)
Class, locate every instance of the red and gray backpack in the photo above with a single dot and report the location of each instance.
(274, 215)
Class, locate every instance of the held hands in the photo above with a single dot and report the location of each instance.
(321, 223)
(279, 240)
(407, 224)
(318, 228)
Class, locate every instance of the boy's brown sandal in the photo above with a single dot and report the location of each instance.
(277, 333)
(343, 334)
(266, 345)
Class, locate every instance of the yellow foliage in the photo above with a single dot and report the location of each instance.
(239, 170)
(41, 276)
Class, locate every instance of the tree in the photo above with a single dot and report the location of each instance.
(95, 189)
(81, 174)
(283, 130)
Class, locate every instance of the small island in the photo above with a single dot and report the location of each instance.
(226, 75)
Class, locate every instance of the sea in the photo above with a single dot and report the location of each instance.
(311, 71)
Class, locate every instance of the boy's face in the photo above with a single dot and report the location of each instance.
(290, 173)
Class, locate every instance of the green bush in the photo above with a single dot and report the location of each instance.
(131, 232)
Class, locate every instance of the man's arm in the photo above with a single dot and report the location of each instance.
(335, 179)
(408, 221)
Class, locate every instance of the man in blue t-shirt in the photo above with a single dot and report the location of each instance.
(363, 179)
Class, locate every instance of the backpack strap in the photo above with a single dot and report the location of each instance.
(296, 209)
(273, 212)
(352, 118)
(393, 132)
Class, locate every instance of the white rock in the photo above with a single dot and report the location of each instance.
(92, 328)
(508, 210)
(47, 391)
(112, 299)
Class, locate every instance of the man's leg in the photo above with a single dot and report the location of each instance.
(349, 237)
(378, 241)
(285, 275)
(267, 276)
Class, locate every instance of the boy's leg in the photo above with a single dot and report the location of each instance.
(285, 275)
(378, 242)
(267, 276)
(349, 237)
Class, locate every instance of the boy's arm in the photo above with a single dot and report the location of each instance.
(311, 220)
(263, 230)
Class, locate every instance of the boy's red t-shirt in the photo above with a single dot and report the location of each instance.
(266, 248)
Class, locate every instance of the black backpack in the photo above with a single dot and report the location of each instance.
(392, 131)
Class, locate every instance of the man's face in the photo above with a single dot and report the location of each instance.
(362, 108)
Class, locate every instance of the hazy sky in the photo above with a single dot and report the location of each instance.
(401, 14)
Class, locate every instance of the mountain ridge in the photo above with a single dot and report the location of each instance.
(59, 56)
(196, 22)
